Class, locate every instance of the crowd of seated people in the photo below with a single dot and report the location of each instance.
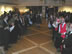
(62, 32)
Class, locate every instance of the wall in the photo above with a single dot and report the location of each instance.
(6, 8)
(65, 8)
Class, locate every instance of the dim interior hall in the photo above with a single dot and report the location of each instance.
(32, 26)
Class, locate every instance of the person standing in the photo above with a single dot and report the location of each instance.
(38, 20)
(62, 28)
(62, 31)
(55, 28)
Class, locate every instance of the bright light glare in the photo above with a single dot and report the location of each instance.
(2, 9)
(5, 8)
(26, 10)
(23, 10)
(8, 9)
(65, 8)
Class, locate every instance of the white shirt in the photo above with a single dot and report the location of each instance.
(11, 28)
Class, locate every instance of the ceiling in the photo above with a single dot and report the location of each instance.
(36, 2)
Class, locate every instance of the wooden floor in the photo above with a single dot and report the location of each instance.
(35, 41)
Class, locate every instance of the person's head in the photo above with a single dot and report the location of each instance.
(51, 16)
(57, 20)
(62, 20)
(71, 25)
